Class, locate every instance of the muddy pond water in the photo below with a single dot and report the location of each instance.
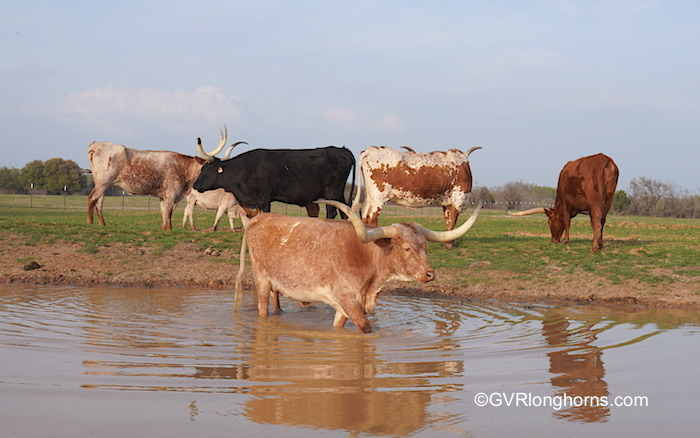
(115, 362)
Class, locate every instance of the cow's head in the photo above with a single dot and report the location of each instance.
(209, 175)
(208, 178)
(405, 244)
(556, 224)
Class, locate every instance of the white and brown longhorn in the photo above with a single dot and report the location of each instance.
(340, 263)
(412, 179)
(165, 174)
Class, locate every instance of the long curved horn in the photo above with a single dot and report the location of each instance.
(210, 156)
(472, 150)
(227, 155)
(361, 230)
(528, 212)
(409, 149)
(448, 236)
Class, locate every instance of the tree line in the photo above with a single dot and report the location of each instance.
(646, 197)
(52, 177)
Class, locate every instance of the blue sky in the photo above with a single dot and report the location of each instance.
(536, 83)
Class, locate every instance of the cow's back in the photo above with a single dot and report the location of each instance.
(105, 158)
(588, 182)
(299, 254)
(416, 179)
(294, 176)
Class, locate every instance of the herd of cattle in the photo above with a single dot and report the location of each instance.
(341, 263)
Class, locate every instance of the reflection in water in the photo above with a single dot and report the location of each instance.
(416, 374)
(576, 366)
(295, 374)
(335, 384)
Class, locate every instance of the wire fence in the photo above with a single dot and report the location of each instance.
(150, 203)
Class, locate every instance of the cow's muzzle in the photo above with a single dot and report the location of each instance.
(427, 276)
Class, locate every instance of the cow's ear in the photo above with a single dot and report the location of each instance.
(220, 170)
(383, 243)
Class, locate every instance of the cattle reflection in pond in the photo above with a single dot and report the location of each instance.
(336, 384)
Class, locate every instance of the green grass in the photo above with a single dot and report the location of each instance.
(654, 251)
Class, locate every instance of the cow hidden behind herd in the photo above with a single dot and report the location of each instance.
(341, 263)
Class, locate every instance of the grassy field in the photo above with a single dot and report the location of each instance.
(655, 252)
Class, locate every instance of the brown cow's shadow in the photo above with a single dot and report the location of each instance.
(611, 243)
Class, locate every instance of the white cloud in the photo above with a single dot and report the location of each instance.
(350, 120)
(336, 114)
(209, 103)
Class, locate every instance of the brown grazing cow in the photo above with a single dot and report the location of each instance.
(165, 174)
(340, 263)
(586, 185)
(412, 179)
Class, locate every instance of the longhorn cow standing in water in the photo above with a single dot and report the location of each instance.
(340, 263)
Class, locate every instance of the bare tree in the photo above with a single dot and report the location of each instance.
(657, 198)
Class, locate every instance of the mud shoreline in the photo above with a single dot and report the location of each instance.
(119, 265)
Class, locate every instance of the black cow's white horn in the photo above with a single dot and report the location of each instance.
(210, 156)
(227, 155)
(365, 235)
(448, 236)
(527, 212)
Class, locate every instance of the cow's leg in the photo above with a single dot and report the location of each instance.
(91, 206)
(166, 210)
(374, 201)
(189, 210)
(332, 212)
(567, 225)
(371, 216)
(353, 310)
(339, 320)
(219, 214)
(95, 200)
(313, 209)
(451, 214)
(597, 223)
(231, 215)
(264, 290)
(275, 300)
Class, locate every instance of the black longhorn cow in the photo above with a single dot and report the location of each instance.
(292, 176)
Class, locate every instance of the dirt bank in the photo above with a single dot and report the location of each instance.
(65, 263)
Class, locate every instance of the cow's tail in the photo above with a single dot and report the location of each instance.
(352, 186)
(358, 195)
(241, 271)
(91, 152)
